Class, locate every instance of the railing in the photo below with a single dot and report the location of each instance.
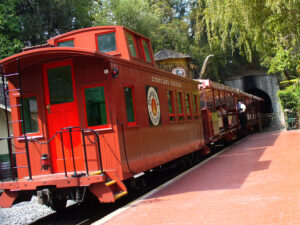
(70, 130)
(271, 121)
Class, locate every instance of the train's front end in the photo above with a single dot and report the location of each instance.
(61, 132)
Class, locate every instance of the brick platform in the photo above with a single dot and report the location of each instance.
(256, 181)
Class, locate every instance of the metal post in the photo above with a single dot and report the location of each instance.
(99, 149)
(63, 152)
(23, 120)
(85, 157)
(70, 133)
(9, 145)
(28, 158)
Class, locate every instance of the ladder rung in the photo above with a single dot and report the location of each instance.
(10, 106)
(16, 167)
(17, 89)
(17, 121)
(119, 195)
(110, 183)
(18, 152)
(11, 74)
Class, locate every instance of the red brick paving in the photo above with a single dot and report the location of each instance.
(256, 181)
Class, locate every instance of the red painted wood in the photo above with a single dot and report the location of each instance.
(60, 116)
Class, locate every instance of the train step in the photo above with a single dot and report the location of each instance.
(120, 194)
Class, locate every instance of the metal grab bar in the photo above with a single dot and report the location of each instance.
(70, 130)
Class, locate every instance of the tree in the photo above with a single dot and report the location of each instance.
(9, 29)
(133, 14)
(267, 29)
(44, 19)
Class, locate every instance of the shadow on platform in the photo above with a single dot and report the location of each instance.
(228, 170)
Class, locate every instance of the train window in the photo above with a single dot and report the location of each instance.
(196, 110)
(202, 100)
(60, 85)
(130, 108)
(188, 106)
(68, 43)
(180, 105)
(107, 42)
(95, 106)
(131, 45)
(146, 51)
(30, 115)
(171, 105)
(217, 98)
(222, 99)
(229, 101)
(209, 98)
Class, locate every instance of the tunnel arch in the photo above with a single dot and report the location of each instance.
(266, 105)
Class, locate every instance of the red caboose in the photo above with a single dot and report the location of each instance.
(90, 110)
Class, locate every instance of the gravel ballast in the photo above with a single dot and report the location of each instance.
(25, 212)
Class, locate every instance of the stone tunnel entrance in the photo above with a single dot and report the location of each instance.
(266, 106)
(265, 86)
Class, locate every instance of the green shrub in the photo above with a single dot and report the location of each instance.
(290, 97)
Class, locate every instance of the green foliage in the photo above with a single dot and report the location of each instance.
(26, 23)
(267, 28)
(9, 29)
(43, 19)
(290, 96)
(257, 32)
(133, 14)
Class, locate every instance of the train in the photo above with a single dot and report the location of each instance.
(90, 110)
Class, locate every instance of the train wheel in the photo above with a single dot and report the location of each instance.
(58, 204)
(196, 156)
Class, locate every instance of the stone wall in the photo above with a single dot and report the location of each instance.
(264, 82)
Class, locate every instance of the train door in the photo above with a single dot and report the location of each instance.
(61, 111)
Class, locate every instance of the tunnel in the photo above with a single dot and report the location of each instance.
(266, 105)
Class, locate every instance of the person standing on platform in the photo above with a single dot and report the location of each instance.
(224, 116)
(242, 114)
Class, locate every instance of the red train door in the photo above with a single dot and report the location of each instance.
(61, 111)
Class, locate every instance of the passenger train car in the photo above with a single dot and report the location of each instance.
(89, 110)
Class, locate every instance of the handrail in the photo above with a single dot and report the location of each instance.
(69, 130)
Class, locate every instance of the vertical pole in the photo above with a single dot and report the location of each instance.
(85, 157)
(23, 120)
(72, 149)
(63, 152)
(28, 157)
(9, 145)
(99, 149)
(21, 99)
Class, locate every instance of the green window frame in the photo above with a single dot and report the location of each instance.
(107, 42)
(60, 85)
(130, 106)
(146, 51)
(171, 105)
(188, 106)
(196, 109)
(95, 106)
(31, 119)
(67, 43)
(131, 45)
(180, 105)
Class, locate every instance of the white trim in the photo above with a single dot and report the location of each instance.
(3, 107)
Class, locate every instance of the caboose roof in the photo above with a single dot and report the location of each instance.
(28, 58)
(128, 44)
